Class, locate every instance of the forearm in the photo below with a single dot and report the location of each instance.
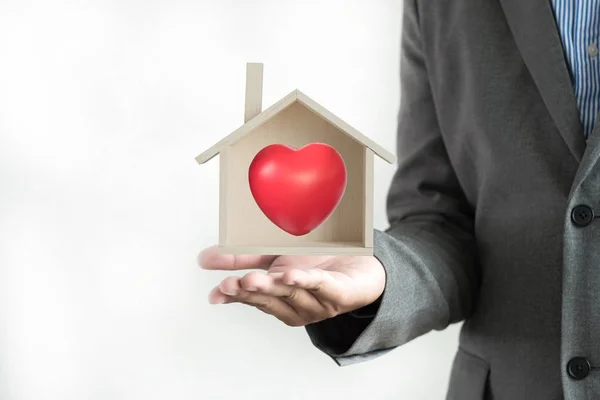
(433, 261)
(426, 289)
(429, 250)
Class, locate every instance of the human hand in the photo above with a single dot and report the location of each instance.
(298, 290)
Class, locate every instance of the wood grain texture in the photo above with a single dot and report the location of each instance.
(345, 127)
(254, 89)
(295, 126)
(334, 249)
(367, 210)
(241, 132)
(295, 97)
(224, 194)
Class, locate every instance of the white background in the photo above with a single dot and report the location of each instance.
(103, 106)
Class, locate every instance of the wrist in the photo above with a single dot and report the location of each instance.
(368, 311)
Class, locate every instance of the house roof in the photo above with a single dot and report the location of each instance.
(293, 97)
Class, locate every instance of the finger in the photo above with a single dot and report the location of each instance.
(222, 293)
(304, 302)
(322, 284)
(230, 286)
(215, 296)
(268, 284)
(211, 259)
(232, 290)
(311, 279)
(271, 305)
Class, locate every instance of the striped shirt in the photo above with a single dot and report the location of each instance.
(579, 26)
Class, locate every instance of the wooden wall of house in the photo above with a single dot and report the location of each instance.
(295, 126)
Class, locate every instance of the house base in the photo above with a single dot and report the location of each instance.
(320, 249)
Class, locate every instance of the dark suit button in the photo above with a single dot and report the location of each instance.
(578, 368)
(582, 215)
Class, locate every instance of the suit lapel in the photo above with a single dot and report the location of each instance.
(536, 34)
(589, 159)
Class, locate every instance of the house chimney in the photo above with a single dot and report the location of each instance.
(254, 83)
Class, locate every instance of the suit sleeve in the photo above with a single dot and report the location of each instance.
(429, 250)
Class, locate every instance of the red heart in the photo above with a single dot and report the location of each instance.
(297, 189)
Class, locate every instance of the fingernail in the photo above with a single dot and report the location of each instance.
(231, 293)
(218, 300)
(251, 289)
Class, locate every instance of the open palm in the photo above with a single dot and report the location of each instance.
(298, 290)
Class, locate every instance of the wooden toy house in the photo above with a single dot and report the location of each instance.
(296, 121)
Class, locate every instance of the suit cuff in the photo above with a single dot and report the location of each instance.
(368, 311)
(411, 305)
(344, 337)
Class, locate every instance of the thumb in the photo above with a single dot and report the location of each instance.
(211, 259)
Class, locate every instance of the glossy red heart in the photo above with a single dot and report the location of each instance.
(297, 189)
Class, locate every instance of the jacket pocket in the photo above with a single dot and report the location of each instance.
(468, 378)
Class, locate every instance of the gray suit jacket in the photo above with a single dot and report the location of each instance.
(483, 221)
